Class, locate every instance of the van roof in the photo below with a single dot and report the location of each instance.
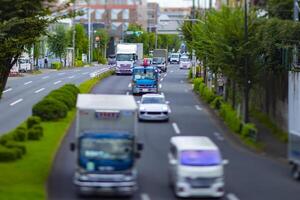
(106, 102)
(193, 143)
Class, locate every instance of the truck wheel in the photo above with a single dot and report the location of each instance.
(295, 172)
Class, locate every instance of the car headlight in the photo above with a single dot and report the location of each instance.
(165, 108)
(142, 108)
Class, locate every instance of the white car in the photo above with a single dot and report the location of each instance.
(196, 167)
(185, 63)
(153, 107)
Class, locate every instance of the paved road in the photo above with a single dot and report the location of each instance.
(248, 176)
(21, 93)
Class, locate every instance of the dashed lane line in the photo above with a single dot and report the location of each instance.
(27, 82)
(176, 128)
(160, 86)
(8, 90)
(145, 196)
(61, 73)
(40, 90)
(129, 85)
(218, 136)
(16, 102)
(231, 196)
(71, 77)
(45, 77)
(198, 107)
(85, 73)
(57, 82)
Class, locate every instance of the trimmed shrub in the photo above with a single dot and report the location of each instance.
(6, 138)
(216, 103)
(207, 94)
(64, 96)
(56, 65)
(190, 75)
(230, 117)
(101, 60)
(197, 82)
(19, 134)
(72, 88)
(35, 133)
(33, 120)
(249, 131)
(16, 145)
(79, 63)
(7, 154)
(50, 109)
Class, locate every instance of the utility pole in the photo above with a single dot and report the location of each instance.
(74, 33)
(89, 31)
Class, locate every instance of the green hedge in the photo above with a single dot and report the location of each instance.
(9, 154)
(197, 82)
(231, 117)
(56, 65)
(249, 131)
(32, 120)
(17, 145)
(207, 94)
(217, 102)
(102, 60)
(190, 75)
(20, 134)
(79, 63)
(50, 109)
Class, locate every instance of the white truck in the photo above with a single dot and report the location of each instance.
(106, 145)
(23, 64)
(160, 59)
(128, 55)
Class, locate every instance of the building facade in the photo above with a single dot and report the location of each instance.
(152, 16)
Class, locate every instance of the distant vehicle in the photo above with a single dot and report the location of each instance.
(196, 167)
(112, 60)
(144, 80)
(23, 64)
(175, 58)
(154, 107)
(128, 55)
(106, 144)
(185, 63)
(160, 57)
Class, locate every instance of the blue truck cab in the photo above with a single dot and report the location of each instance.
(106, 145)
(144, 79)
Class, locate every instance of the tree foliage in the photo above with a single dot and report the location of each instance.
(58, 42)
(282, 9)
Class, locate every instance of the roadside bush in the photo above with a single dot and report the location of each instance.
(207, 94)
(249, 131)
(6, 138)
(101, 60)
(64, 96)
(190, 76)
(7, 154)
(35, 133)
(56, 65)
(197, 82)
(79, 63)
(50, 109)
(19, 134)
(33, 120)
(216, 103)
(230, 117)
(16, 145)
(72, 88)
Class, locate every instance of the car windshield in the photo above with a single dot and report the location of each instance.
(174, 56)
(200, 158)
(153, 100)
(143, 74)
(124, 57)
(184, 59)
(158, 60)
(106, 149)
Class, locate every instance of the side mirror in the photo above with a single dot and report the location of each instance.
(225, 162)
(72, 146)
(140, 146)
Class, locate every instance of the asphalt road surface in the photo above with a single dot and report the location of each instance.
(22, 93)
(248, 176)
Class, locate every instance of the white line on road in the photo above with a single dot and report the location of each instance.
(172, 71)
(231, 196)
(160, 86)
(145, 196)
(77, 70)
(71, 76)
(127, 93)
(181, 81)
(38, 91)
(186, 90)
(61, 73)
(176, 128)
(129, 85)
(15, 102)
(219, 136)
(45, 77)
(165, 75)
(85, 73)
(10, 89)
(27, 82)
(57, 82)
(161, 79)
(198, 107)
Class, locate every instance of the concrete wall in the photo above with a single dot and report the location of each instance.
(294, 102)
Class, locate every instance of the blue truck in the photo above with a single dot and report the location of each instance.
(144, 79)
(106, 145)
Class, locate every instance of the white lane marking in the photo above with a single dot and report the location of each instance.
(231, 196)
(181, 81)
(77, 70)
(172, 71)
(45, 77)
(9, 89)
(162, 93)
(129, 85)
(186, 90)
(127, 93)
(145, 196)
(27, 82)
(165, 75)
(160, 86)
(219, 136)
(15, 102)
(61, 73)
(38, 91)
(170, 111)
(198, 107)
(85, 73)
(57, 82)
(71, 77)
(176, 128)
(161, 79)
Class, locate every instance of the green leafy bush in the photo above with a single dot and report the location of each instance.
(33, 120)
(72, 88)
(79, 63)
(50, 109)
(230, 117)
(197, 82)
(56, 65)
(249, 131)
(6, 138)
(12, 144)
(64, 96)
(190, 76)
(19, 134)
(207, 94)
(35, 133)
(102, 60)
(7, 154)
(217, 102)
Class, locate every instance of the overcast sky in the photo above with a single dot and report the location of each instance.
(181, 3)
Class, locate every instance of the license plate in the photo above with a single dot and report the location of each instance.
(144, 90)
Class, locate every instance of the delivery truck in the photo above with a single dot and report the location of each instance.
(144, 80)
(160, 59)
(106, 145)
(128, 55)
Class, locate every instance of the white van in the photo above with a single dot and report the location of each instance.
(195, 167)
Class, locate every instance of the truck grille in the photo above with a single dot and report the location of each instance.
(201, 182)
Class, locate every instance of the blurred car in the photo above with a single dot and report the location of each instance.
(195, 167)
(112, 60)
(160, 63)
(175, 58)
(185, 63)
(153, 107)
